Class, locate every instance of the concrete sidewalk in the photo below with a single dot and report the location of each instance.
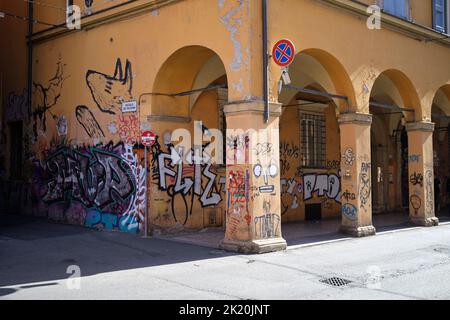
(300, 233)
(37, 260)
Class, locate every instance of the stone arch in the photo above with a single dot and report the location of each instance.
(187, 68)
(399, 88)
(321, 67)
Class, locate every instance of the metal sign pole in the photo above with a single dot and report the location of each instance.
(146, 193)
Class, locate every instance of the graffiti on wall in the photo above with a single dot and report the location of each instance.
(107, 181)
(87, 120)
(129, 128)
(16, 107)
(324, 185)
(291, 190)
(45, 96)
(289, 152)
(187, 181)
(61, 126)
(108, 91)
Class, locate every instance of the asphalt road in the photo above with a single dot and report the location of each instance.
(40, 260)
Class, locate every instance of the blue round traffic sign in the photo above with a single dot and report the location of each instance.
(283, 52)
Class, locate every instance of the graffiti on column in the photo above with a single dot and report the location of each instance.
(266, 172)
(348, 196)
(350, 211)
(416, 203)
(429, 192)
(268, 225)
(364, 185)
(237, 148)
(416, 179)
(348, 157)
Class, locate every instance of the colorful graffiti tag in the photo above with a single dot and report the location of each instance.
(106, 180)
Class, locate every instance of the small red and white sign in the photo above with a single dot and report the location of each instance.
(148, 138)
(283, 52)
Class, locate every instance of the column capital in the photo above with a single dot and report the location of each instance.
(424, 126)
(251, 106)
(355, 118)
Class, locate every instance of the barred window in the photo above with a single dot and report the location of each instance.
(313, 139)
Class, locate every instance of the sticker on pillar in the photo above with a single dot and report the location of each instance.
(283, 52)
(267, 172)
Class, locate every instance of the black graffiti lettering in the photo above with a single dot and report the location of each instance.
(94, 178)
(416, 179)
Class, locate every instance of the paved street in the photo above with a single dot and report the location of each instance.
(35, 255)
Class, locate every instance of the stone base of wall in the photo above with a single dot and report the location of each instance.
(254, 246)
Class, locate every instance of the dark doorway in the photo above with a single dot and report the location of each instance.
(313, 212)
(16, 143)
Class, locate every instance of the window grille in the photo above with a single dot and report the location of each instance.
(313, 139)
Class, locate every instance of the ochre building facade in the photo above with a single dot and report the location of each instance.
(362, 129)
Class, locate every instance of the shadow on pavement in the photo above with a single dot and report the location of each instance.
(35, 250)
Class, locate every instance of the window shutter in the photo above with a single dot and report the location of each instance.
(439, 15)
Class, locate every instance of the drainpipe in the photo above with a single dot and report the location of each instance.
(265, 62)
(30, 55)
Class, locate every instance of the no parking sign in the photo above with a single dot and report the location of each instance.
(283, 52)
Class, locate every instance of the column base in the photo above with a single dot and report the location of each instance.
(424, 222)
(359, 232)
(254, 246)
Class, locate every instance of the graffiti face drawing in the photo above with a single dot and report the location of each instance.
(266, 171)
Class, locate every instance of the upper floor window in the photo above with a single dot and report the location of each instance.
(399, 8)
(440, 15)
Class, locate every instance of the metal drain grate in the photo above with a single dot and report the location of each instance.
(336, 282)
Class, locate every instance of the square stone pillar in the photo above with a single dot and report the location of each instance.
(253, 214)
(356, 193)
(421, 175)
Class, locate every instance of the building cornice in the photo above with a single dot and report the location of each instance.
(108, 15)
(388, 21)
